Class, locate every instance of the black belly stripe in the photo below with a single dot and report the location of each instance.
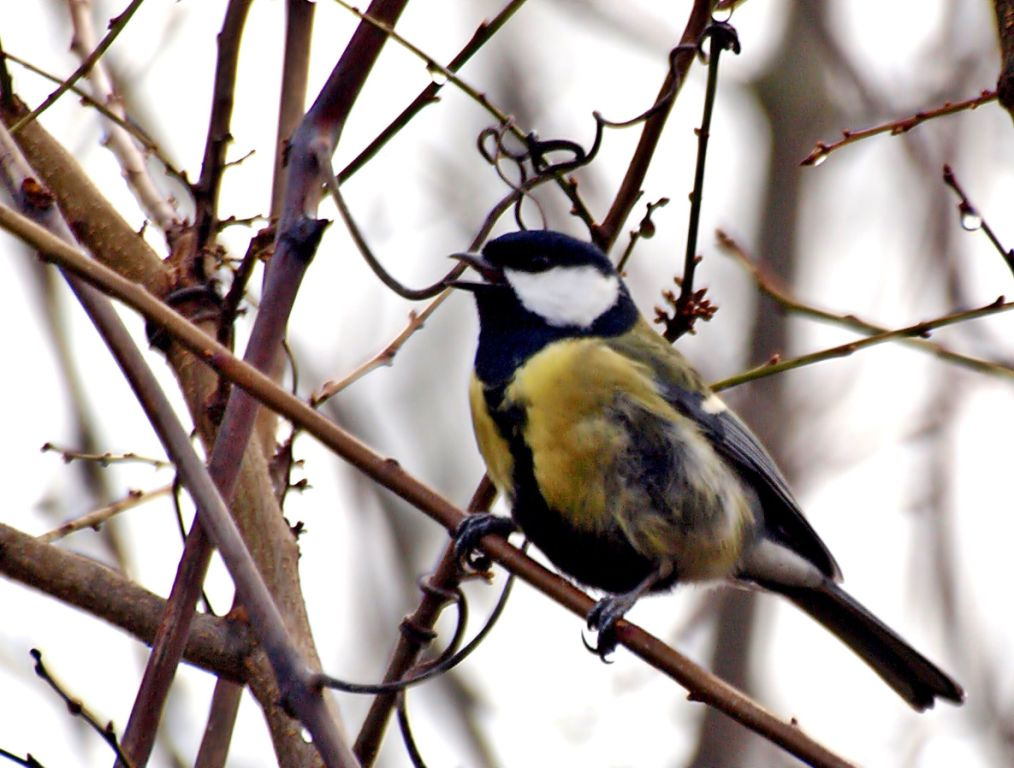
(604, 561)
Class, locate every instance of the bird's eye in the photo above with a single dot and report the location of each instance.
(539, 262)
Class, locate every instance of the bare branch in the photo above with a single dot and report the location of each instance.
(98, 516)
(214, 644)
(630, 188)
(218, 138)
(767, 285)
(389, 474)
(895, 127)
(156, 205)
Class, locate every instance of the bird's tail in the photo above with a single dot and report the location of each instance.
(914, 677)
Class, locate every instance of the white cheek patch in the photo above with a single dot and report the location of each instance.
(565, 296)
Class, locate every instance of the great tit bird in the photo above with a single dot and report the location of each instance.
(623, 467)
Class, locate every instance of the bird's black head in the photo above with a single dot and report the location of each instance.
(540, 287)
(542, 250)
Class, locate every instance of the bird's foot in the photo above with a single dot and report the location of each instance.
(602, 620)
(471, 530)
(606, 612)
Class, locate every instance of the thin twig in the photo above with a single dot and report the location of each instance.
(433, 66)
(505, 121)
(78, 709)
(630, 188)
(767, 285)
(383, 358)
(158, 206)
(922, 330)
(645, 231)
(206, 189)
(98, 516)
(691, 305)
(103, 459)
(428, 95)
(412, 294)
(895, 127)
(142, 138)
(393, 477)
(258, 249)
(972, 219)
(116, 26)
(27, 761)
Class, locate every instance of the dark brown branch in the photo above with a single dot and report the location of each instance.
(292, 94)
(445, 577)
(390, 475)
(206, 190)
(296, 242)
(428, 95)
(1005, 28)
(213, 644)
(6, 83)
(291, 669)
(605, 234)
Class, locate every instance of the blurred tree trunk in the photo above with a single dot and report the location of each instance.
(793, 96)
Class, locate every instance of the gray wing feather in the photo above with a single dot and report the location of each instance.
(737, 444)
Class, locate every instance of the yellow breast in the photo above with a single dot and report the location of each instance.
(568, 392)
(586, 415)
(494, 449)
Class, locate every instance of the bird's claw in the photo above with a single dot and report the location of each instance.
(602, 620)
(471, 530)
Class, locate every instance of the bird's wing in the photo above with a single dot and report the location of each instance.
(737, 444)
(734, 441)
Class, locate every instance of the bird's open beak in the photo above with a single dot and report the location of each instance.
(490, 274)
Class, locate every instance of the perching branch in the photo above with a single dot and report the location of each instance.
(703, 686)
(291, 669)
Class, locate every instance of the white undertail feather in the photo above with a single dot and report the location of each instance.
(565, 296)
(769, 561)
(713, 404)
